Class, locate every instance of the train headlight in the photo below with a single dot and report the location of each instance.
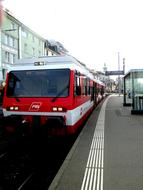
(58, 109)
(16, 108)
(55, 109)
(13, 108)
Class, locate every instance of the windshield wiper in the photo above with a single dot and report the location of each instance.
(54, 99)
(17, 99)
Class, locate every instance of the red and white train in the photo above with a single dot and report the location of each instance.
(56, 93)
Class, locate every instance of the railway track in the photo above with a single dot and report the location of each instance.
(15, 165)
(31, 164)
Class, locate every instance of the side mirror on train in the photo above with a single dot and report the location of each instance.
(78, 90)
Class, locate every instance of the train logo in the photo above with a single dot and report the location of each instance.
(35, 106)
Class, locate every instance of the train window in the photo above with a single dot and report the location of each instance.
(84, 88)
(85, 85)
(77, 87)
(88, 86)
(41, 83)
(102, 90)
(92, 89)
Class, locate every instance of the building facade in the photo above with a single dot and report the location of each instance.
(17, 41)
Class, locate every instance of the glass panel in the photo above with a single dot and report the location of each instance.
(138, 83)
(128, 89)
(39, 83)
(138, 90)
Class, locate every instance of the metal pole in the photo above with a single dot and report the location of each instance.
(1, 20)
(19, 43)
(124, 65)
(119, 90)
(124, 84)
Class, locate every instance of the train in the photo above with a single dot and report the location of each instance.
(54, 94)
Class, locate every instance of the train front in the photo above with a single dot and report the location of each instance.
(36, 100)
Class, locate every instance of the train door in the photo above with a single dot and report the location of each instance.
(77, 84)
(102, 91)
(94, 93)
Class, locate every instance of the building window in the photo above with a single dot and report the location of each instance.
(9, 57)
(9, 40)
(5, 39)
(13, 26)
(24, 33)
(12, 58)
(40, 42)
(39, 53)
(33, 37)
(33, 51)
(25, 47)
(6, 57)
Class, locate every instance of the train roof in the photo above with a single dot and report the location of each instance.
(100, 82)
(50, 62)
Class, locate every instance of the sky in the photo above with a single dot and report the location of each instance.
(96, 32)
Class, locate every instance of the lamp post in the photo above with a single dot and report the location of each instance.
(124, 65)
(119, 87)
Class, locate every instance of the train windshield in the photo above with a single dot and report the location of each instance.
(39, 83)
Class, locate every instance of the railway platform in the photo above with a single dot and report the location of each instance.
(108, 154)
